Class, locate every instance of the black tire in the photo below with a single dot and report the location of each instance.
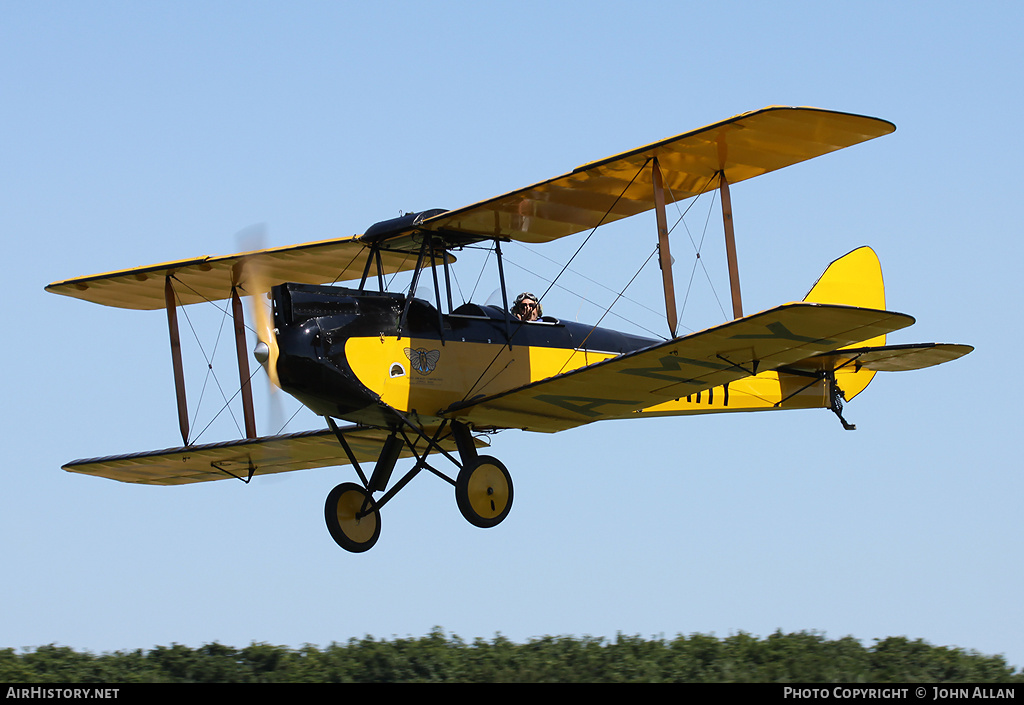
(483, 491)
(340, 511)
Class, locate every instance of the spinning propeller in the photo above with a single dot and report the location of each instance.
(255, 283)
(265, 351)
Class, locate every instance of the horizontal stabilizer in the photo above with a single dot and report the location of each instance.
(887, 358)
(242, 458)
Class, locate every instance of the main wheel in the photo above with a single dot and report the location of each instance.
(483, 491)
(349, 529)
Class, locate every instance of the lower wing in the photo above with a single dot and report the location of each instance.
(242, 459)
(677, 368)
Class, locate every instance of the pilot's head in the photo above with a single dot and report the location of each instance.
(527, 307)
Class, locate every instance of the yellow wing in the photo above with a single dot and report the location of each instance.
(599, 192)
(679, 367)
(210, 278)
(603, 191)
(260, 456)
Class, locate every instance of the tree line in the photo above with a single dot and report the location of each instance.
(801, 657)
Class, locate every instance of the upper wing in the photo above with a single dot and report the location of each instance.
(211, 278)
(603, 191)
(260, 456)
(677, 368)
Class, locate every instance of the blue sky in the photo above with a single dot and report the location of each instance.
(139, 133)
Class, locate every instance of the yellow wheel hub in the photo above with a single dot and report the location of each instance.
(483, 491)
(359, 530)
(488, 491)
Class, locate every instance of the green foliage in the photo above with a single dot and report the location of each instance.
(803, 657)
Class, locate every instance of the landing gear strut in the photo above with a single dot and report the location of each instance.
(483, 486)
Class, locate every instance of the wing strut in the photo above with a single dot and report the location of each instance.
(730, 248)
(179, 374)
(412, 289)
(664, 256)
(504, 294)
(243, 363)
(244, 380)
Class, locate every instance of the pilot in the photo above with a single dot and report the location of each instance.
(527, 307)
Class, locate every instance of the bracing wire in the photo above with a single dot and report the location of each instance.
(560, 273)
(697, 260)
(478, 276)
(608, 310)
(621, 294)
(592, 281)
(696, 246)
(345, 268)
(584, 298)
(210, 372)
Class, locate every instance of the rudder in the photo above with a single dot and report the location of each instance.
(854, 279)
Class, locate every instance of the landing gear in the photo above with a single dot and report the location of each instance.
(352, 517)
(483, 487)
(483, 491)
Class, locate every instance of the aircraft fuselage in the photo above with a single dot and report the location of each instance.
(360, 355)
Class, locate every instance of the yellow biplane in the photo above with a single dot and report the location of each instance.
(415, 377)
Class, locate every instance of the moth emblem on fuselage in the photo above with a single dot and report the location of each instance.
(423, 361)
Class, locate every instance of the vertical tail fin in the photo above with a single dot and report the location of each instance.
(853, 280)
